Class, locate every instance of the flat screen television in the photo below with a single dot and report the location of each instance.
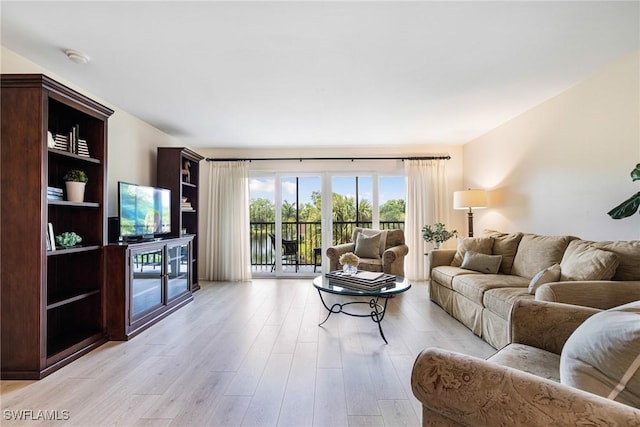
(144, 212)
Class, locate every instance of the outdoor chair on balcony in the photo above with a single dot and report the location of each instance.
(289, 252)
(378, 250)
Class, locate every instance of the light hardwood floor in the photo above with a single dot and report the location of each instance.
(251, 354)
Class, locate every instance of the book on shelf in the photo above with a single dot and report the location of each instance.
(54, 190)
(61, 142)
(51, 237)
(83, 148)
(71, 142)
(54, 193)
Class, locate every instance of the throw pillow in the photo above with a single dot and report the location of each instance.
(602, 356)
(481, 245)
(368, 246)
(488, 264)
(537, 252)
(629, 256)
(581, 261)
(506, 245)
(548, 275)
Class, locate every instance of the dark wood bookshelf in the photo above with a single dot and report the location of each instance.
(53, 301)
(184, 221)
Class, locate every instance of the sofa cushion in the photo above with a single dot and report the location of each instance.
(481, 245)
(602, 356)
(370, 264)
(444, 274)
(385, 241)
(581, 261)
(529, 359)
(368, 246)
(535, 253)
(473, 286)
(506, 245)
(548, 275)
(628, 255)
(483, 263)
(501, 300)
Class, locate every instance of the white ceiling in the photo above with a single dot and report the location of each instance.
(294, 74)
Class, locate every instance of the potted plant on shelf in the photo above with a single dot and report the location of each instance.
(75, 181)
(437, 235)
(68, 239)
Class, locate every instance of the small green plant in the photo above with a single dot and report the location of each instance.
(68, 239)
(76, 176)
(631, 205)
(438, 234)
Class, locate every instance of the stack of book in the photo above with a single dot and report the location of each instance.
(186, 206)
(54, 193)
(61, 142)
(83, 148)
(362, 280)
(71, 142)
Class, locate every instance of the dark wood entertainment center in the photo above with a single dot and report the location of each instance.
(147, 282)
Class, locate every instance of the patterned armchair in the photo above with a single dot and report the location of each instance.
(387, 255)
(519, 385)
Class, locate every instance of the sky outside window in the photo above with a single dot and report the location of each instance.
(390, 188)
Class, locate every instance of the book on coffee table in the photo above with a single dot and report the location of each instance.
(362, 280)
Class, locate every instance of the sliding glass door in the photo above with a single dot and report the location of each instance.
(286, 227)
(300, 224)
(287, 211)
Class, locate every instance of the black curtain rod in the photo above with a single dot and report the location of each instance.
(238, 159)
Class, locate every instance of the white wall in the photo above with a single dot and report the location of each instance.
(560, 167)
(132, 143)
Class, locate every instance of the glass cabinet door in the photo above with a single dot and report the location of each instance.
(146, 281)
(177, 269)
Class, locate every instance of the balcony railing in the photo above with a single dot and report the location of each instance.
(308, 235)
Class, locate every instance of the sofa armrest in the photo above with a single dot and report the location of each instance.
(597, 294)
(335, 252)
(438, 257)
(393, 259)
(474, 392)
(545, 325)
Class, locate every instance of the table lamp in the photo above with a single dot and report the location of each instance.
(470, 199)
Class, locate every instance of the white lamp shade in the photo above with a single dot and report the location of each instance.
(470, 199)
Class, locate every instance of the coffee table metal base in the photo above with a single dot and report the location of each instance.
(376, 314)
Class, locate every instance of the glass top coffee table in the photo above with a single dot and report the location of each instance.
(324, 285)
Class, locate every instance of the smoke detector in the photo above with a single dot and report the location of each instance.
(77, 57)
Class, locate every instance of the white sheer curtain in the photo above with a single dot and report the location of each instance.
(426, 203)
(228, 253)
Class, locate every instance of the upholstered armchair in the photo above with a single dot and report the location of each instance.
(378, 250)
(524, 384)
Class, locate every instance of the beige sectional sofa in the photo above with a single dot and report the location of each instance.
(480, 281)
(567, 365)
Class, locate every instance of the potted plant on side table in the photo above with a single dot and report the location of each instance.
(437, 234)
(75, 181)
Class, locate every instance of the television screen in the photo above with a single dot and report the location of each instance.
(143, 211)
